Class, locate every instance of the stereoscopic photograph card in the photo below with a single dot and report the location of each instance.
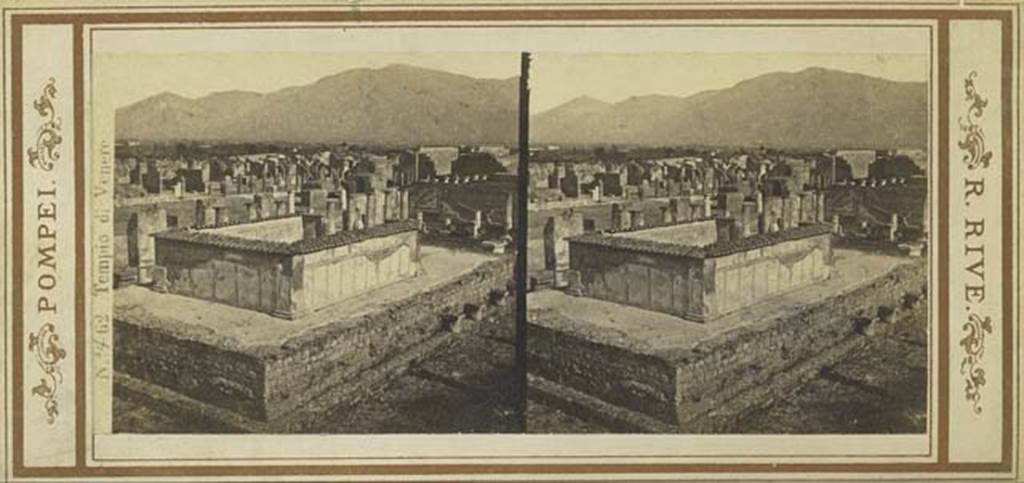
(528, 241)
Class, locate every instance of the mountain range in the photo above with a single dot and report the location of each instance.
(399, 104)
(815, 107)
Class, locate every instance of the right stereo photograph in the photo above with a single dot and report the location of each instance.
(731, 237)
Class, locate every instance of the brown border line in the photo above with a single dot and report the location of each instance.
(77, 20)
(942, 242)
(80, 325)
(1008, 235)
(17, 237)
(254, 16)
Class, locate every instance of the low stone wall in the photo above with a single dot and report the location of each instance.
(718, 371)
(314, 362)
(626, 378)
(220, 376)
(696, 388)
(271, 382)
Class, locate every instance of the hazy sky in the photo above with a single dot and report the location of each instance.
(610, 64)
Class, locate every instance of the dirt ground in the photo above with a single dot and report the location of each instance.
(466, 385)
(880, 390)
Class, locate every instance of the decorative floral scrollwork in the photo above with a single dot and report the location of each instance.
(45, 343)
(48, 136)
(973, 343)
(973, 141)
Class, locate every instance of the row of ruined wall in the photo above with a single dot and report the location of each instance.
(691, 388)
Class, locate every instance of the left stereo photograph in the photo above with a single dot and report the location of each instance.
(311, 240)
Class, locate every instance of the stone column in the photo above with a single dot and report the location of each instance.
(627, 220)
(261, 211)
(220, 215)
(404, 205)
(894, 226)
(673, 209)
(371, 209)
(312, 226)
(290, 203)
(637, 220)
(351, 218)
(380, 207)
(510, 209)
(199, 218)
(819, 203)
(141, 227)
(750, 219)
(478, 223)
(419, 220)
(617, 216)
(330, 220)
(343, 198)
(251, 211)
(707, 206)
(389, 205)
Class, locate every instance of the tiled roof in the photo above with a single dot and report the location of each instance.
(225, 241)
(635, 244)
(714, 250)
(659, 224)
(299, 247)
(759, 241)
(343, 238)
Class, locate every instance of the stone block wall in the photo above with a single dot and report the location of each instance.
(329, 276)
(741, 279)
(283, 283)
(663, 283)
(219, 376)
(325, 357)
(626, 378)
(241, 278)
(720, 371)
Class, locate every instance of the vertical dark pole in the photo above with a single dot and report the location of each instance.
(521, 236)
